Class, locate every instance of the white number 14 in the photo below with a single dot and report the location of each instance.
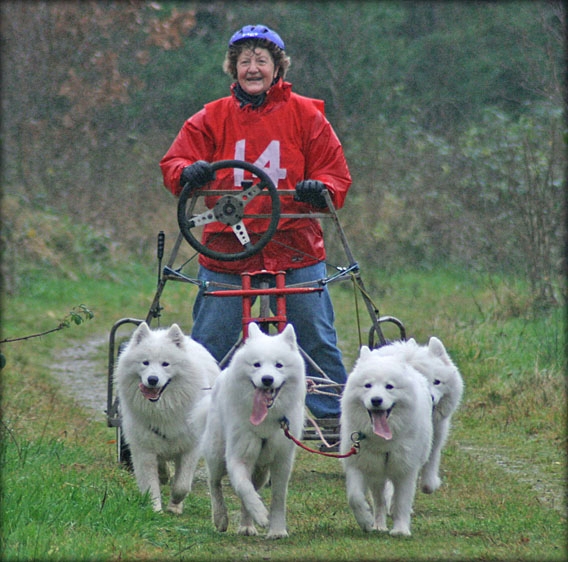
(268, 161)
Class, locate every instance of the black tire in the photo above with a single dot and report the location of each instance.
(123, 450)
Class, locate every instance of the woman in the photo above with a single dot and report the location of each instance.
(287, 135)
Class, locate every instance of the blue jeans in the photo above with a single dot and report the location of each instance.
(217, 324)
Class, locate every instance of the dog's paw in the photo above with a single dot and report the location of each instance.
(175, 508)
(400, 532)
(366, 527)
(431, 485)
(260, 516)
(221, 521)
(247, 530)
(277, 534)
(365, 520)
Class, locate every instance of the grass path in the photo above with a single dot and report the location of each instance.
(65, 497)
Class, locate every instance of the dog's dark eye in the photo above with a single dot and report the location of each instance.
(437, 382)
(146, 363)
(257, 365)
(165, 364)
(278, 365)
(389, 386)
(368, 385)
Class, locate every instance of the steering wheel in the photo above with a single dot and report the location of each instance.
(229, 210)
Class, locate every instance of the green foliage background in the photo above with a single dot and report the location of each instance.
(450, 113)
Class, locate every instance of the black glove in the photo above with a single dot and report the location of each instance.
(197, 175)
(309, 191)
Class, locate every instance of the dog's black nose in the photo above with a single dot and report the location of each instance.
(153, 381)
(376, 402)
(267, 380)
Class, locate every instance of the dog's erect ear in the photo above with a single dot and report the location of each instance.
(289, 334)
(254, 330)
(436, 348)
(176, 335)
(412, 342)
(141, 333)
(364, 352)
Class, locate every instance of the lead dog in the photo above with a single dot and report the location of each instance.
(263, 384)
(161, 375)
(388, 405)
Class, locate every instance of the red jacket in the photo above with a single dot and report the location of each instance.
(291, 140)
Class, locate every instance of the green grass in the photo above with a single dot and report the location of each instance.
(65, 497)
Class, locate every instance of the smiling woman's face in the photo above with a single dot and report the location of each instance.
(255, 71)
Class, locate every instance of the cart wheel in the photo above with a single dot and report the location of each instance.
(123, 450)
(229, 210)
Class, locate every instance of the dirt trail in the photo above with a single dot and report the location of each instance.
(85, 377)
(549, 489)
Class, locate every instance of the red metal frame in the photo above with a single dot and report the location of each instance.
(248, 293)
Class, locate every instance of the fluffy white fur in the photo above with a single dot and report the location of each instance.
(446, 387)
(264, 382)
(389, 404)
(160, 377)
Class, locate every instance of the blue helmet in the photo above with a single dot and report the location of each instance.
(257, 32)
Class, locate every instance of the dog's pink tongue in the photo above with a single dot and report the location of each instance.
(380, 425)
(149, 393)
(260, 402)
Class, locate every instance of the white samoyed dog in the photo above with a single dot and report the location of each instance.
(160, 377)
(446, 387)
(263, 384)
(387, 404)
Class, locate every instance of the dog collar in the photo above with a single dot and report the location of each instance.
(357, 436)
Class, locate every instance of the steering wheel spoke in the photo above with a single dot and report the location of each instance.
(202, 219)
(229, 210)
(249, 194)
(241, 233)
